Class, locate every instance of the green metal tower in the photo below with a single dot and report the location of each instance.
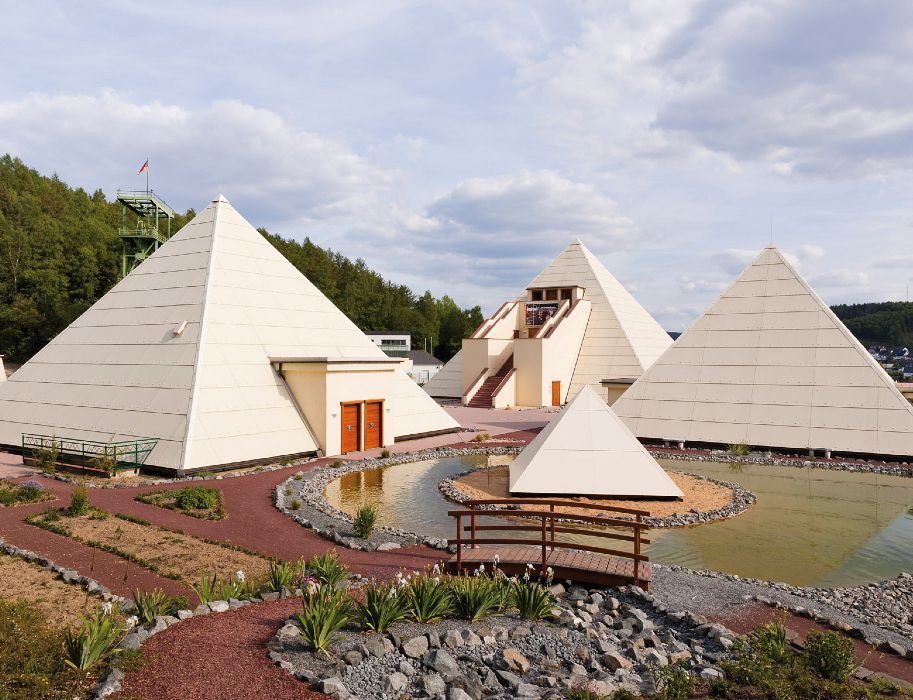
(153, 227)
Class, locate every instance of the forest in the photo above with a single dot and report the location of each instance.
(884, 323)
(60, 252)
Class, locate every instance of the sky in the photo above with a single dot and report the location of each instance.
(460, 146)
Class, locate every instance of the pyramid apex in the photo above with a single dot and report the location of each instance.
(220, 199)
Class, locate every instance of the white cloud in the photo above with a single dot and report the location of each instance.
(688, 284)
(734, 260)
(840, 278)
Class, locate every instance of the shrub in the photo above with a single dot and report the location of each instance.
(383, 605)
(532, 600)
(31, 491)
(326, 610)
(481, 437)
(830, 655)
(365, 517)
(105, 461)
(31, 663)
(325, 567)
(740, 449)
(93, 643)
(474, 597)
(152, 604)
(673, 682)
(79, 502)
(299, 476)
(46, 457)
(384, 453)
(770, 641)
(288, 490)
(196, 498)
(296, 503)
(282, 575)
(337, 464)
(428, 599)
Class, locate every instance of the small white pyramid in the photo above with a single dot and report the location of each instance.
(769, 364)
(180, 350)
(621, 339)
(587, 451)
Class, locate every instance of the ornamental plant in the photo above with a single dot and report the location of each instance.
(325, 611)
(79, 502)
(532, 600)
(365, 517)
(206, 587)
(325, 567)
(382, 606)
(428, 599)
(282, 576)
(95, 641)
(155, 603)
(830, 655)
(196, 498)
(474, 597)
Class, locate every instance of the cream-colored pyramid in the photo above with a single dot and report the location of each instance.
(769, 364)
(181, 350)
(587, 451)
(621, 338)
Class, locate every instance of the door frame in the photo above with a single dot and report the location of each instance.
(359, 432)
(380, 428)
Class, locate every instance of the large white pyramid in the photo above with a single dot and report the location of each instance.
(587, 451)
(621, 339)
(180, 350)
(769, 364)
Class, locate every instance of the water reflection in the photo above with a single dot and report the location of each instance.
(809, 526)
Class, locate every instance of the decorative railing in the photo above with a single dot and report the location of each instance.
(125, 454)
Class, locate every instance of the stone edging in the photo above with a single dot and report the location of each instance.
(818, 595)
(772, 460)
(742, 500)
(324, 520)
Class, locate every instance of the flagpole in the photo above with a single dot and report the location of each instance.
(147, 176)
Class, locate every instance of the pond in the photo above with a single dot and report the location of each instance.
(809, 527)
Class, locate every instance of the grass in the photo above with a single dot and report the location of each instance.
(196, 501)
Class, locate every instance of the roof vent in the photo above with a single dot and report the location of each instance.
(180, 328)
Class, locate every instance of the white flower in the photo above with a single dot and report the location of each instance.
(437, 579)
(529, 566)
(497, 558)
(549, 571)
(130, 622)
(240, 575)
(107, 608)
(436, 569)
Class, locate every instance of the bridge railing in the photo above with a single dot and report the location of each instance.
(551, 523)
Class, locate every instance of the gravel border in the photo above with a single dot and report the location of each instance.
(742, 500)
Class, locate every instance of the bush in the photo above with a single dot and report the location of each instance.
(740, 449)
(673, 682)
(384, 453)
(31, 664)
(79, 502)
(474, 597)
(428, 599)
(364, 521)
(337, 464)
(46, 457)
(282, 575)
(105, 461)
(152, 604)
(26, 492)
(326, 610)
(296, 503)
(93, 643)
(770, 641)
(830, 655)
(383, 605)
(196, 498)
(206, 587)
(481, 437)
(325, 567)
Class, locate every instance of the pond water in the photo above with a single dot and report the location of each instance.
(809, 527)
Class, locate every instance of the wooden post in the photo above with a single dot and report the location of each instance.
(459, 543)
(544, 541)
(637, 552)
(472, 525)
(551, 507)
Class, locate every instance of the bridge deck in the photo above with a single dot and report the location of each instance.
(584, 567)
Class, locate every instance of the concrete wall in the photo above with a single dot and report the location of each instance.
(483, 353)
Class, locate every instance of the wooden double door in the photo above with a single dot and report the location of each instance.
(362, 425)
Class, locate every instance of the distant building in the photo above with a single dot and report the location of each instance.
(393, 343)
(424, 365)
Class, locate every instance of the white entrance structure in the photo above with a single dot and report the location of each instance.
(770, 365)
(220, 349)
(587, 451)
(575, 325)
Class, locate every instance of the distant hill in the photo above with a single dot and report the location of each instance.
(884, 323)
(60, 252)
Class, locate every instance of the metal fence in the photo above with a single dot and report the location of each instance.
(126, 454)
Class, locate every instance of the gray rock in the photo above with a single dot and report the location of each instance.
(376, 647)
(387, 546)
(394, 682)
(353, 658)
(527, 690)
(613, 661)
(433, 684)
(440, 660)
(333, 686)
(458, 694)
(452, 639)
(514, 660)
(109, 684)
(511, 680)
(184, 614)
(416, 647)
(218, 606)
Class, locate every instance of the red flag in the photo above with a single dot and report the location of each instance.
(144, 168)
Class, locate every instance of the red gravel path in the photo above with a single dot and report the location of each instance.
(217, 656)
(107, 569)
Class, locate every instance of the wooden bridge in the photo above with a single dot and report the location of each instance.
(584, 562)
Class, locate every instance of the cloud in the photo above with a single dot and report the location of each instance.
(688, 284)
(734, 260)
(269, 169)
(840, 278)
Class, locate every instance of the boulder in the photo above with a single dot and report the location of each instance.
(394, 682)
(514, 660)
(416, 647)
(441, 661)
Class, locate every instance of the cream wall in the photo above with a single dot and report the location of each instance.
(483, 353)
(321, 388)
